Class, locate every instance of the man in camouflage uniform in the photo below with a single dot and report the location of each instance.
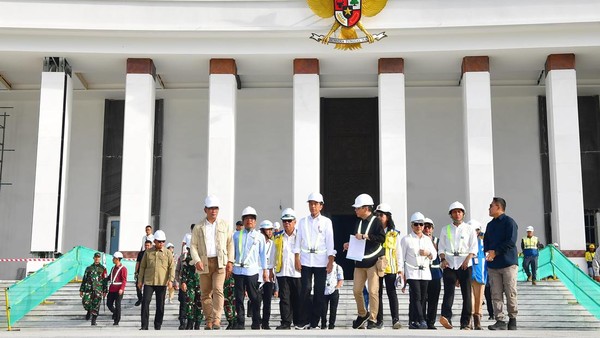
(228, 292)
(93, 288)
(190, 284)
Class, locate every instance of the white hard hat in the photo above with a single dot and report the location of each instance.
(361, 200)
(150, 238)
(249, 211)
(384, 207)
(315, 196)
(529, 228)
(417, 217)
(276, 225)
(266, 224)
(211, 201)
(428, 221)
(475, 224)
(170, 245)
(159, 235)
(288, 213)
(456, 205)
(118, 255)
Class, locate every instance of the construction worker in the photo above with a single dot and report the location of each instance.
(393, 269)
(138, 290)
(93, 288)
(268, 286)
(589, 257)
(368, 269)
(416, 256)
(479, 277)
(314, 255)
(250, 260)
(434, 286)
(116, 287)
(458, 245)
(288, 278)
(529, 246)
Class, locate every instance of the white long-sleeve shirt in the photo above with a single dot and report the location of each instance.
(315, 241)
(287, 260)
(415, 265)
(456, 243)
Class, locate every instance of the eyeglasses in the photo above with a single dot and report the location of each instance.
(287, 220)
(160, 241)
(428, 226)
(418, 224)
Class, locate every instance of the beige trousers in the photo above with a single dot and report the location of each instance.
(504, 281)
(369, 276)
(211, 287)
(478, 297)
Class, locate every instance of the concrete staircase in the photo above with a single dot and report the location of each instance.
(547, 306)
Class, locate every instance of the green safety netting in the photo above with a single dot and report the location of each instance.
(28, 293)
(553, 263)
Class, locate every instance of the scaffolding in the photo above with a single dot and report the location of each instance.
(3, 115)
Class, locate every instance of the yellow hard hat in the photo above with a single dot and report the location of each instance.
(592, 246)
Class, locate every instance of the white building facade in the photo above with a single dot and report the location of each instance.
(464, 100)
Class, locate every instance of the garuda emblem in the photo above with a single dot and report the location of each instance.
(347, 14)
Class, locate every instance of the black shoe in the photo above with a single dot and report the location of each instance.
(373, 325)
(413, 326)
(143, 328)
(265, 327)
(181, 324)
(491, 318)
(331, 327)
(255, 327)
(189, 325)
(94, 320)
(157, 327)
(88, 315)
(116, 323)
(512, 324)
(423, 325)
(230, 325)
(138, 303)
(360, 321)
(499, 325)
(283, 327)
(323, 327)
(239, 326)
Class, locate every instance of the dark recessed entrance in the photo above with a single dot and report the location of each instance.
(349, 163)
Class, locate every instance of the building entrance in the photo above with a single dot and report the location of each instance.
(349, 163)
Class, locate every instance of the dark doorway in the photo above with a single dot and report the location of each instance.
(349, 163)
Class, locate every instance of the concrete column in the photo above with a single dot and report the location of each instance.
(479, 152)
(392, 138)
(51, 170)
(221, 135)
(564, 152)
(307, 132)
(138, 152)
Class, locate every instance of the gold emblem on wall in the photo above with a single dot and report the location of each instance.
(347, 14)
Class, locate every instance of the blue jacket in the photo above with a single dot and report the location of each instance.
(480, 273)
(501, 236)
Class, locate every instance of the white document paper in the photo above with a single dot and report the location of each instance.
(356, 249)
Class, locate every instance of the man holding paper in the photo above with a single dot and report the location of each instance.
(368, 236)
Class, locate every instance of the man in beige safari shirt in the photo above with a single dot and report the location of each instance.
(157, 270)
(213, 256)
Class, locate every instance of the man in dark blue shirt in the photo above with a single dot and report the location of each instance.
(500, 246)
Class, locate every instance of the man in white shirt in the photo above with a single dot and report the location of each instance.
(250, 260)
(334, 282)
(288, 277)
(458, 244)
(417, 253)
(314, 256)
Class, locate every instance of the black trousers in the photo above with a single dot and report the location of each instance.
(182, 297)
(418, 298)
(311, 311)
(289, 300)
(488, 299)
(113, 301)
(390, 289)
(267, 295)
(160, 305)
(433, 297)
(138, 291)
(247, 284)
(464, 279)
(330, 301)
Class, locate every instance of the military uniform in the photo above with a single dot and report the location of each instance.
(193, 308)
(229, 304)
(93, 287)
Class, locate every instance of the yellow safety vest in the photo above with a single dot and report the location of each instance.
(278, 252)
(391, 238)
(530, 243)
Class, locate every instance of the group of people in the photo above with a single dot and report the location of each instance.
(219, 267)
